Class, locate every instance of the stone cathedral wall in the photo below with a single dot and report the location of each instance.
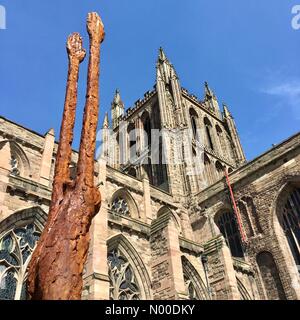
(163, 238)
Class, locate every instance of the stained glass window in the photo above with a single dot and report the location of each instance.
(16, 247)
(123, 283)
(120, 206)
(291, 223)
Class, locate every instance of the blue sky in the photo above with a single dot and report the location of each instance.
(247, 51)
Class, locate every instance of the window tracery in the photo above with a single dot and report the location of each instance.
(16, 248)
(291, 223)
(123, 283)
(120, 206)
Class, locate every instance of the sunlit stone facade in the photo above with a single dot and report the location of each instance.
(166, 229)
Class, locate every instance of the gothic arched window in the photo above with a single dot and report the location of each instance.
(147, 166)
(195, 287)
(209, 174)
(147, 130)
(121, 147)
(208, 127)
(229, 229)
(132, 141)
(16, 247)
(220, 169)
(120, 206)
(194, 120)
(291, 223)
(222, 142)
(123, 283)
(160, 173)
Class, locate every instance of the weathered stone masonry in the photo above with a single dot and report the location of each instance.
(161, 233)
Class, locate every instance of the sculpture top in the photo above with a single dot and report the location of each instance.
(74, 47)
(56, 267)
(95, 27)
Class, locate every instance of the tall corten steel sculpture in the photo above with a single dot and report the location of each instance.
(55, 270)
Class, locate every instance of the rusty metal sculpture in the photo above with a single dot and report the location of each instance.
(55, 270)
